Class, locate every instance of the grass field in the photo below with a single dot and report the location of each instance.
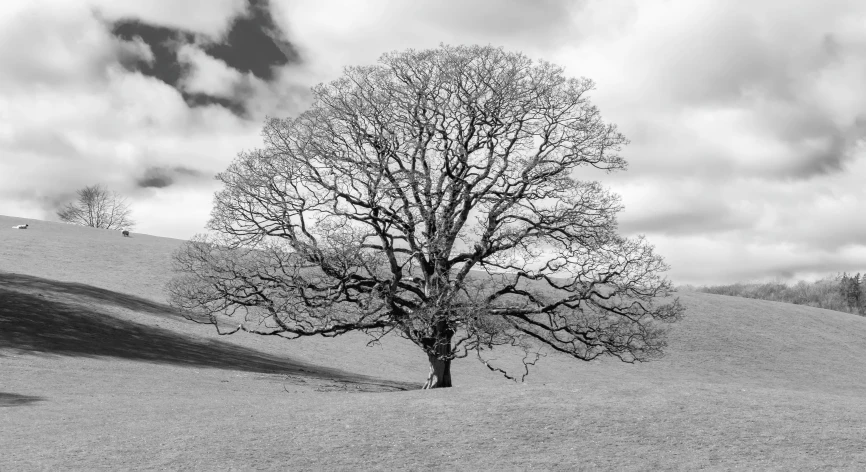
(96, 372)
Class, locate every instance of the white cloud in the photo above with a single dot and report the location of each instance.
(746, 119)
(61, 47)
(208, 75)
(76, 118)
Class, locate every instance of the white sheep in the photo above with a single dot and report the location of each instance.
(21, 226)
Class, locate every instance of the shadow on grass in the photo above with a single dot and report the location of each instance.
(35, 323)
(14, 399)
(19, 282)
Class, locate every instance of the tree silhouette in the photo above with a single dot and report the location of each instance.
(98, 208)
(434, 196)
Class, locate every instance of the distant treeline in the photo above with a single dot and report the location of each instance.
(841, 292)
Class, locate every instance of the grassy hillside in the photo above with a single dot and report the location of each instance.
(96, 372)
(824, 293)
(99, 257)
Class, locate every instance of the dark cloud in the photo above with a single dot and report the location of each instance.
(698, 219)
(827, 159)
(161, 177)
(253, 44)
(819, 145)
(196, 99)
(163, 42)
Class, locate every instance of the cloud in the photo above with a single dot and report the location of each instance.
(211, 18)
(533, 23)
(209, 69)
(73, 112)
(746, 120)
(36, 142)
(208, 75)
(709, 83)
(331, 34)
(680, 207)
(703, 260)
(254, 43)
(161, 177)
(55, 48)
(746, 125)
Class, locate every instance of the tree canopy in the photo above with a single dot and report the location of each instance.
(98, 207)
(436, 195)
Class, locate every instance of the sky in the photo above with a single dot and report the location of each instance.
(746, 119)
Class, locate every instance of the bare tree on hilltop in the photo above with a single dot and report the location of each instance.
(435, 196)
(97, 207)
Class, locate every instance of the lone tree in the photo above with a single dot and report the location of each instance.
(434, 196)
(98, 208)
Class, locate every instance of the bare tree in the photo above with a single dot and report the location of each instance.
(434, 196)
(98, 208)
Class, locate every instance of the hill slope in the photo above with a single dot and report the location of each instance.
(98, 372)
(103, 258)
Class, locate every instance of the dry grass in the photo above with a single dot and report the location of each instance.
(97, 373)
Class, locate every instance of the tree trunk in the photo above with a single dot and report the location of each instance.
(438, 349)
(440, 373)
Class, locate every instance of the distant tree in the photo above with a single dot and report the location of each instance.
(433, 196)
(823, 293)
(852, 292)
(844, 285)
(861, 290)
(98, 208)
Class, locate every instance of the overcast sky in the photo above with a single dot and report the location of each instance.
(746, 119)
